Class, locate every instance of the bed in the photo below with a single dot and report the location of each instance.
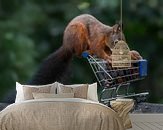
(59, 114)
(59, 107)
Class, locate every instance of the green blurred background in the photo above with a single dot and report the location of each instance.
(32, 29)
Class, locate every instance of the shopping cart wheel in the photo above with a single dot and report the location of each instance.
(141, 97)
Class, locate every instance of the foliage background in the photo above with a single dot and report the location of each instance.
(32, 29)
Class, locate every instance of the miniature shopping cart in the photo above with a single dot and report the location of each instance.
(115, 82)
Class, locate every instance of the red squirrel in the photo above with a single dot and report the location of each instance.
(83, 33)
(86, 33)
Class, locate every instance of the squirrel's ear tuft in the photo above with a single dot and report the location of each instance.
(117, 27)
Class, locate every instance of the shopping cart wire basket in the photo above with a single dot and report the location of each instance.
(114, 80)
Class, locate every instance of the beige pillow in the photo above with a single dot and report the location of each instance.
(49, 95)
(92, 90)
(80, 91)
(29, 90)
(24, 92)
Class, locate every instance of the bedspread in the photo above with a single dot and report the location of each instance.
(59, 114)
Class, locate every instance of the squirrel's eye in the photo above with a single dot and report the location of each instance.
(115, 42)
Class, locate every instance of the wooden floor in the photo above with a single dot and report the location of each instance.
(147, 121)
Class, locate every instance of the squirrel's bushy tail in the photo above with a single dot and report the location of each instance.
(53, 68)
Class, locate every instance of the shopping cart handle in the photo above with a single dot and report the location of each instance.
(85, 54)
(143, 68)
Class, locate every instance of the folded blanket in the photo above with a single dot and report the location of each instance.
(123, 107)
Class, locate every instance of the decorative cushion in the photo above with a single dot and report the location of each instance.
(49, 95)
(80, 91)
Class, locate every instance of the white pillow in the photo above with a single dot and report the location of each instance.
(20, 92)
(92, 90)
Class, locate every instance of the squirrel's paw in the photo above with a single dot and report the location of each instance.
(109, 59)
(135, 55)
